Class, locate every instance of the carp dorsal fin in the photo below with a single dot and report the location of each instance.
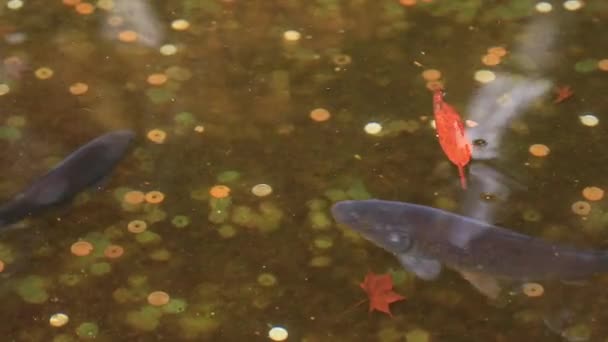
(423, 267)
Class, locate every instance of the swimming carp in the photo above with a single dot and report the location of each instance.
(425, 238)
(84, 168)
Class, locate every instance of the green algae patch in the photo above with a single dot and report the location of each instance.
(335, 195)
(271, 217)
(144, 319)
(70, 279)
(100, 268)
(461, 12)
(6, 253)
(510, 11)
(200, 194)
(10, 133)
(357, 191)
(87, 331)
(154, 213)
(577, 332)
(445, 203)
(99, 242)
(140, 154)
(244, 216)
(219, 209)
(82, 198)
(180, 221)
(317, 204)
(320, 261)
(120, 192)
(209, 291)
(586, 65)
(147, 166)
(32, 289)
(158, 95)
(319, 220)
(137, 280)
(130, 295)
(196, 326)
(16, 121)
(179, 73)
(51, 162)
(261, 302)
(390, 333)
(267, 225)
(396, 127)
(532, 215)
(447, 297)
(227, 231)
(267, 279)
(64, 338)
(267, 219)
(184, 119)
(401, 277)
(323, 242)
(160, 254)
(528, 316)
(122, 295)
(228, 177)
(148, 238)
(114, 233)
(175, 306)
(418, 335)
(271, 211)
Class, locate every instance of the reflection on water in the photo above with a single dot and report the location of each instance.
(252, 118)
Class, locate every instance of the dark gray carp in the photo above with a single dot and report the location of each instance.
(84, 168)
(425, 238)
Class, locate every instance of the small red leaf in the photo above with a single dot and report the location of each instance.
(379, 289)
(563, 93)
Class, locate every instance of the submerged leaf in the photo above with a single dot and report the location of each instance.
(379, 289)
(563, 93)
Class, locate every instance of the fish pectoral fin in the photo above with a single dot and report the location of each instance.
(423, 267)
(484, 283)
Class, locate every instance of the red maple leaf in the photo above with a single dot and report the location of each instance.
(563, 93)
(452, 136)
(379, 289)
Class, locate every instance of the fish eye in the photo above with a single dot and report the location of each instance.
(398, 241)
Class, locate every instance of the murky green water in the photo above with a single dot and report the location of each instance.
(233, 95)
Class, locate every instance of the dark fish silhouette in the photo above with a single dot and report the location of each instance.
(424, 238)
(85, 167)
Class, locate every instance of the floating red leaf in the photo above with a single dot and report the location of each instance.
(563, 93)
(379, 289)
(452, 136)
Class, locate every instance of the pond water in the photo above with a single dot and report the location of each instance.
(251, 119)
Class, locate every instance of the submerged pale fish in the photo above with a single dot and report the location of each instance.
(85, 167)
(424, 238)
